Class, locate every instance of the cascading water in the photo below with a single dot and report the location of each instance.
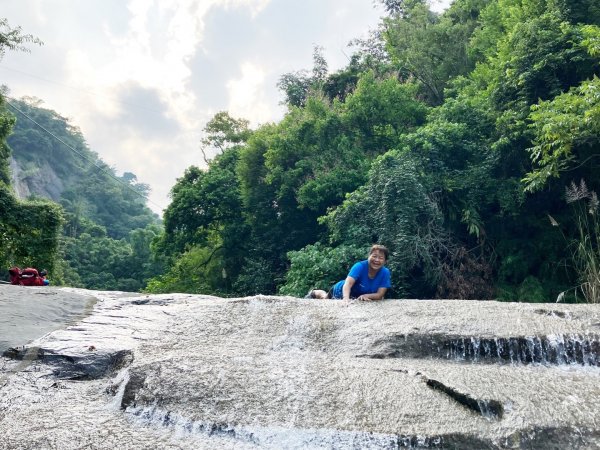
(550, 349)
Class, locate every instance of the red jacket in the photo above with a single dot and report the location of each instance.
(25, 277)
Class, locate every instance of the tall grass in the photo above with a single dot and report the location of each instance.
(586, 248)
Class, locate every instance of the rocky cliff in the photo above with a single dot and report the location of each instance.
(182, 371)
(39, 181)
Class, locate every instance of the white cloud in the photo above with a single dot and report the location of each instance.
(254, 6)
(247, 95)
(81, 72)
(141, 78)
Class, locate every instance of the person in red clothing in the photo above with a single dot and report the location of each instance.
(27, 277)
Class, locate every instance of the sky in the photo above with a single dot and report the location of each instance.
(141, 78)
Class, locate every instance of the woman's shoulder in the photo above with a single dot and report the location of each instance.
(385, 272)
(360, 267)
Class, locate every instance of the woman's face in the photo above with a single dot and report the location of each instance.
(376, 259)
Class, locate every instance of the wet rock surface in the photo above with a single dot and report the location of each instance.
(181, 371)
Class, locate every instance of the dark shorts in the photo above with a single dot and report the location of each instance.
(330, 295)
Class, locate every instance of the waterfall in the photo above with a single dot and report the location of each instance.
(550, 349)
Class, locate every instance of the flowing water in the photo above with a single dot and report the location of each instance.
(181, 371)
(27, 313)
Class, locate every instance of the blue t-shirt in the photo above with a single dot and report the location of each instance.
(363, 284)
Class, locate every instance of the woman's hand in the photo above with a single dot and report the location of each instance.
(379, 295)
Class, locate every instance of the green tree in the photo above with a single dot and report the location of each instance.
(428, 47)
(100, 262)
(223, 132)
(567, 134)
(265, 260)
(204, 224)
(297, 86)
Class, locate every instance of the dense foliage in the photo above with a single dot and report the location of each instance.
(29, 231)
(449, 138)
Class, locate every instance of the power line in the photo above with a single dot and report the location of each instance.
(103, 169)
(84, 91)
(92, 94)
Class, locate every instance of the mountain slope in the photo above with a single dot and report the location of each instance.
(50, 159)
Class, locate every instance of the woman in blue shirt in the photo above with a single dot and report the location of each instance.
(367, 280)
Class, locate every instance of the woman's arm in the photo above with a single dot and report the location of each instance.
(376, 296)
(348, 283)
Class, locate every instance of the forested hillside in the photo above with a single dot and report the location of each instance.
(43, 142)
(107, 227)
(80, 221)
(467, 142)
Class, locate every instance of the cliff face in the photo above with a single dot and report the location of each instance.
(39, 181)
(50, 159)
(183, 371)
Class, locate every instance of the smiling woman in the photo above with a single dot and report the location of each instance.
(367, 280)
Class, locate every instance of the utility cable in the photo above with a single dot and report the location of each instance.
(83, 91)
(103, 169)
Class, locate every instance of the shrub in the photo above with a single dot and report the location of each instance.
(586, 248)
